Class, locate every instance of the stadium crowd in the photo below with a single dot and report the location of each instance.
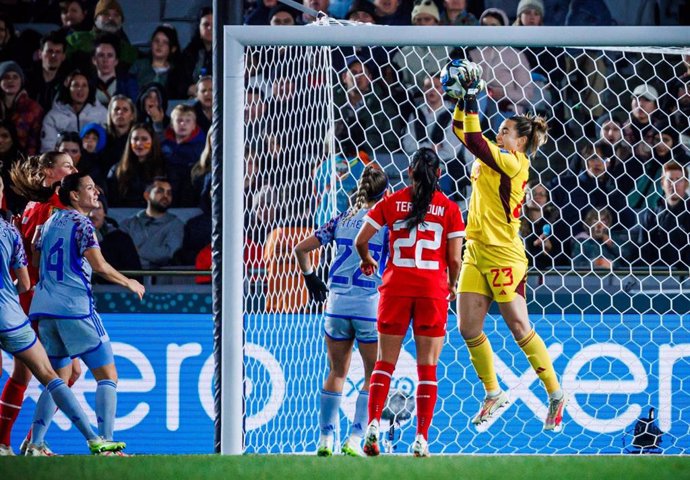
(137, 120)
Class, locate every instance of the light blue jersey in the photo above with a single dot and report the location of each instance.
(12, 256)
(352, 294)
(64, 288)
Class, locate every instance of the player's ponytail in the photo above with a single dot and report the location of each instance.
(28, 176)
(372, 185)
(425, 163)
(533, 127)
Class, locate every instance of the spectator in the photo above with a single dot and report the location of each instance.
(74, 16)
(108, 18)
(367, 115)
(152, 105)
(122, 115)
(493, 17)
(16, 106)
(70, 143)
(680, 104)
(117, 247)
(254, 108)
(455, 13)
(665, 234)
(74, 107)
(643, 112)
(9, 155)
(182, 147)
(542, 248)
(9, 47)
(318, 5)
(204, 261)
(594, 247)
(374, 57)
(260, 14)
(530, 13)
(592, 189)
(659, 145)
(140, 164)
(425, 13)
(203, 106)
(198, 55)
(197, 232)
(282, 15)
(164, 64)
(93, 139)
(156, 233)
(362, 11)
(392, 12)
(201, 172)
(623, 167)
(44, 81)
(108, 81)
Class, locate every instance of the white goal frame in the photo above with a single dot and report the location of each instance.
(236, 38)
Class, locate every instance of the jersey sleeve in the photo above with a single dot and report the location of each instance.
(85, 235)
(18, 253)
(326, 232)
(456, 226)
(377, 215)
(499, 159)
(459, 123)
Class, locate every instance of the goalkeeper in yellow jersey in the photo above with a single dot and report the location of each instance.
(494, 264)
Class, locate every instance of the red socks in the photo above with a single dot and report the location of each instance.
(379, 385)
(427, 390)
(10, 406)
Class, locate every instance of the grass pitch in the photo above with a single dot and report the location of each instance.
(282, 467)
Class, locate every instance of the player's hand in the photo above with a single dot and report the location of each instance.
(368, 266)
(470, 75)
(136, 287)
(317, 289)
(76, 372)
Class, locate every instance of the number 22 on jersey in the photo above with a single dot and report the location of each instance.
(419, 245)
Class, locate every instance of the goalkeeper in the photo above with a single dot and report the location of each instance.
(350, 310)
(494, 263)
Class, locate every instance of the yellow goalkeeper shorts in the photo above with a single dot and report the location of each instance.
(495, 272)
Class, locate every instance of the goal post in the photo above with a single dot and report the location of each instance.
(295, 337)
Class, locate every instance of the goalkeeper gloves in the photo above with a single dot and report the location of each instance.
(317, 289)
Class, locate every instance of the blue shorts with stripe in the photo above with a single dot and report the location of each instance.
(350, 316)
(17, 339)
(65, 338)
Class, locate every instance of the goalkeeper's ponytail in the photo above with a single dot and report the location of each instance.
(533, 127)
(424, 165)
(372, 185)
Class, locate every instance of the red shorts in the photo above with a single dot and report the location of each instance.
(429, 316)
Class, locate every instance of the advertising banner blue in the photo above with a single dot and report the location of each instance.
(616, 367)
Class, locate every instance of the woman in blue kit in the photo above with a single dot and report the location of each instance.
(63, 304)
(351, 307)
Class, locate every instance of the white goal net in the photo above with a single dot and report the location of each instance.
(606, 225)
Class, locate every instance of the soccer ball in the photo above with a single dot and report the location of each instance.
(450, 80)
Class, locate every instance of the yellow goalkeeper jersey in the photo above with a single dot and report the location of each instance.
(498, 180)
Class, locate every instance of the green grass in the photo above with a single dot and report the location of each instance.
(281, 467)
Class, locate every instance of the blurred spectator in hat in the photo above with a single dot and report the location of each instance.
(93, 138)
(362, 11)
(152, 106)
(455, 13)
(318, 5)
(493, 17)
(530, 13)
(108, 18)
(45, 78)
(643, 111)
(17, 107)
(425, 13)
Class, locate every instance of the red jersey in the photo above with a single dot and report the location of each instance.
(36, 214)
(417, 266)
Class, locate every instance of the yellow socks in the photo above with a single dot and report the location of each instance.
(482, 357)
(538, 357)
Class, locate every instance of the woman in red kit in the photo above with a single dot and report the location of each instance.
(32, 179)
(426, 231)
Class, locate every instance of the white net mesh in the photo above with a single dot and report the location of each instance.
(608, 253)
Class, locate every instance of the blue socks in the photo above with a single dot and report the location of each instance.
(359, 422)
(106, 404)
(328, 417)
(43, 415)
(67, 402)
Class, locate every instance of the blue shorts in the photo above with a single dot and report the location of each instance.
(346, 327)
(18, 339)
(65, 338)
